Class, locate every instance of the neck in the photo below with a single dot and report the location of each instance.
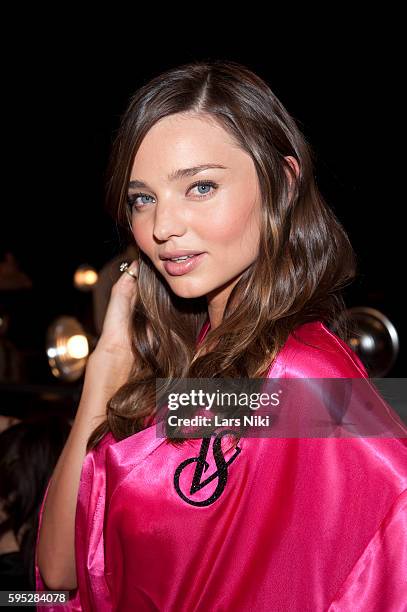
(217, 300)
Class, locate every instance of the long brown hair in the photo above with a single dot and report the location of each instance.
(304, 260)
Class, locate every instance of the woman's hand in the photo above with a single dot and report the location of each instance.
(115, 336)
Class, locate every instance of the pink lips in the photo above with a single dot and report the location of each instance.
(177, 269)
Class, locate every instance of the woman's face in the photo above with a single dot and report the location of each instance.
(220, 218)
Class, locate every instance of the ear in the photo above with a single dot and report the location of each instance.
(294, 165)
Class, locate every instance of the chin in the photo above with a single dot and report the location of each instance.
(185, 291)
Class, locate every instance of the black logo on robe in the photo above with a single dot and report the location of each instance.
(202, 465)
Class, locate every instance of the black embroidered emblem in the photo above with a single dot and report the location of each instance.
(202, 465)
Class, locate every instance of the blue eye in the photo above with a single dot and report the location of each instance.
(205, 184)
(132, 199)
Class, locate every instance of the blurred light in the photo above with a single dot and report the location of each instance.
(77, 346)
(67, 348)
(85, 277)
(374, 339)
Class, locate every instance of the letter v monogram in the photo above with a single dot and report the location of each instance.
(202, 465)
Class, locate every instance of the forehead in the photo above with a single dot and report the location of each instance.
(181, 141)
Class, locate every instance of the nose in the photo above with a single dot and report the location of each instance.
(168, 220)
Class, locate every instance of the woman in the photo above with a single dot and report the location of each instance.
(207, 161)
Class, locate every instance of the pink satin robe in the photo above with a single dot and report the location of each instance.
(309, 524)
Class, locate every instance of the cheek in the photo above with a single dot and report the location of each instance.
(142, 236)
(236, 221)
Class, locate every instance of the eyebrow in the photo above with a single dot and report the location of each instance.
(178, 174)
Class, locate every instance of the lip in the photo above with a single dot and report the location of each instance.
(179, 253)
(178, 269)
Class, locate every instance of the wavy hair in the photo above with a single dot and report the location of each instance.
(305, 257)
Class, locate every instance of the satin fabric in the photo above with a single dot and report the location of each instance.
(302, 524)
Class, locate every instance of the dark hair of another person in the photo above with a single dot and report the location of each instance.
(28, 453)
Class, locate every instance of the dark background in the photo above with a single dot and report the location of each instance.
(64, 94)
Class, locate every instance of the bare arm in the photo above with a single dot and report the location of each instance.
(107, 369)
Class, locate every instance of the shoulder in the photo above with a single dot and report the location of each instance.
(314, 351)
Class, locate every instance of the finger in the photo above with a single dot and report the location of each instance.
(131, 272)
(127, 283)
(134, 266)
